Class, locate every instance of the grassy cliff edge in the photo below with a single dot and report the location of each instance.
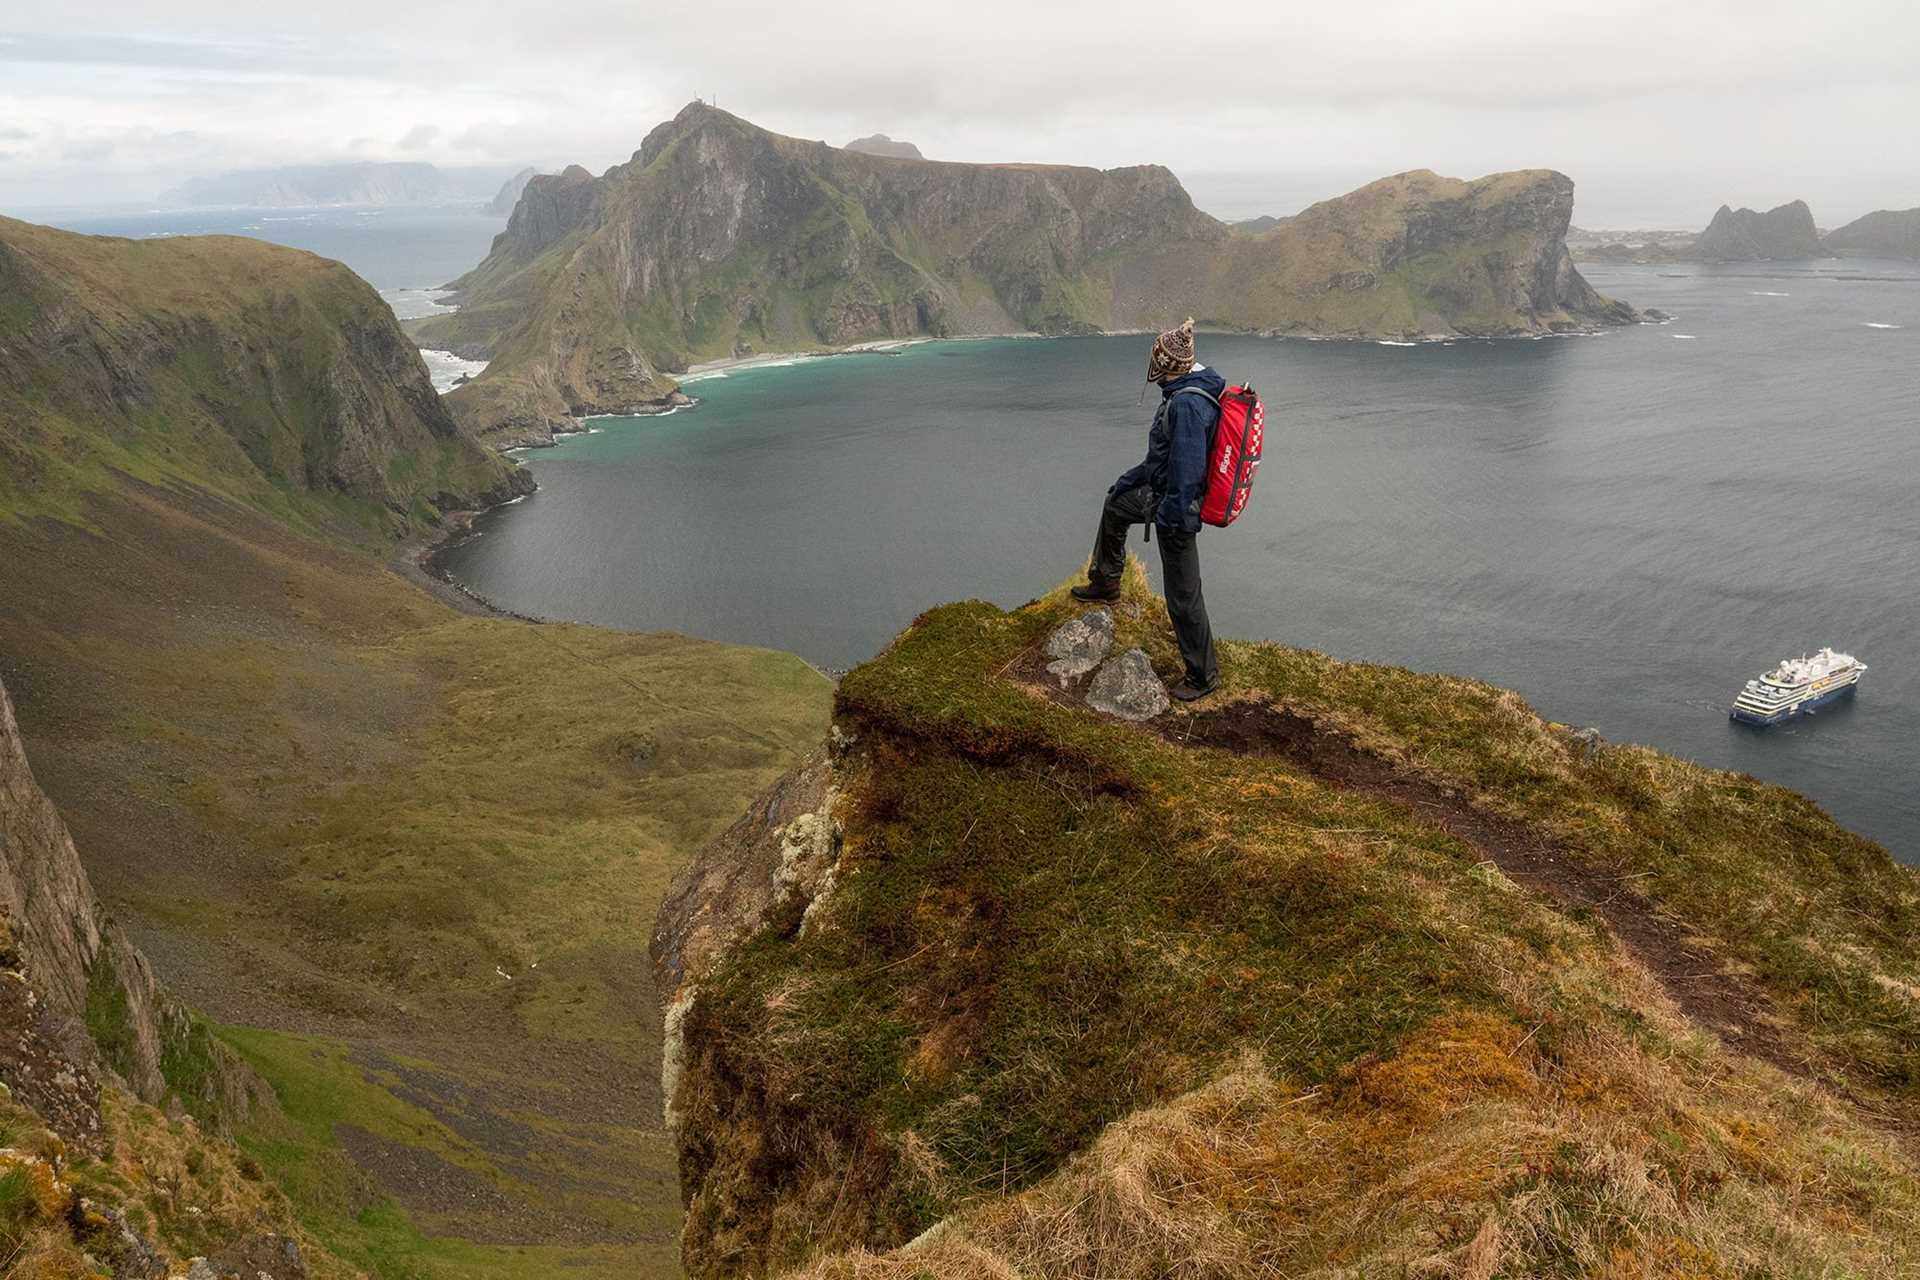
(1352, 971)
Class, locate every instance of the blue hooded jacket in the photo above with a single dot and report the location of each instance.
(1176, 464)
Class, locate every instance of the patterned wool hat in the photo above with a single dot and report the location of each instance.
(1172, 353)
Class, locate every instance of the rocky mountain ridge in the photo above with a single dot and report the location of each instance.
(720, 238)
(1741, 235)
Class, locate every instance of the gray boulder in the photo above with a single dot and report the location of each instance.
(1126, 687)
(1077, 647)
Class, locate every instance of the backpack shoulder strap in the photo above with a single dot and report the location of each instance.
(1195, 391)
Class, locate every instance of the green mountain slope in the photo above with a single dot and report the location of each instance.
(400, 858)
(1351, 971)
(720, 238)
(227, 365)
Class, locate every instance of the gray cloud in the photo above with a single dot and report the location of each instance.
(1659, 111)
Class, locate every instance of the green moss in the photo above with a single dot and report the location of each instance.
(109, 1015)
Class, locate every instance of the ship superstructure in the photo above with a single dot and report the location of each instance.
(1797, 686)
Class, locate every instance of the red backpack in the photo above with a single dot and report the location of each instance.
(1233, 454)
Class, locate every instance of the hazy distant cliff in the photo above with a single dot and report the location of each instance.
(223, 363)
(879, 144)
(509, 193)
(1887, 233)
(376, 183)
(720, 237)
(1739, 235)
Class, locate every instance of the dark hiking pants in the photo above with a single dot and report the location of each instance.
(1179, 576)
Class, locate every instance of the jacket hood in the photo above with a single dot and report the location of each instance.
(1201, 379)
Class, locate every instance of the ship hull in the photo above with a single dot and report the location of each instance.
(1798, 709)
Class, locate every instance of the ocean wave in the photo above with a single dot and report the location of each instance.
(1875, 324)
(1768, 293)
(445, 368)
(1684, 337)
(1388, 342)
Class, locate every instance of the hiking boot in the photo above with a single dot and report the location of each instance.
(1188, 691)
(1097, 591)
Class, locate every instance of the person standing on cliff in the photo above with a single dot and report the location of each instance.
(1164, 492)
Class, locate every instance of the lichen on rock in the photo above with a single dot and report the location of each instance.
(1078, 646)
(1127, 687)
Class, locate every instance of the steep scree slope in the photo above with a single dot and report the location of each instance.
(1353, 970)
(720, 238)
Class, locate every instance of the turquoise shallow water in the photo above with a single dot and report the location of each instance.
(1624, 527)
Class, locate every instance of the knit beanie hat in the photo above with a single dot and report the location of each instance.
(1172, 353)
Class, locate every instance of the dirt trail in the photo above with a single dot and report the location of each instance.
(1693, 974)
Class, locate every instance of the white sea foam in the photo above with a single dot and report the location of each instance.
(1384, 342)
(1684, 337)
(1875, 324)
(445, 368)
(1768, 293)
(702, 376)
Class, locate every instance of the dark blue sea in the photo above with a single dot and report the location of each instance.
(1623, 527)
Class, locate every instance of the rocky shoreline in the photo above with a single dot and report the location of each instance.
(417, 559)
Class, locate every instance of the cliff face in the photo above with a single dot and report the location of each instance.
(222, 363)
(1352, 970)
(1742, 235)
(110, 1181)
(720, 238)
(1887, 233)
(99, 993)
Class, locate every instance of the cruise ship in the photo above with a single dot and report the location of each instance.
(1797, 686)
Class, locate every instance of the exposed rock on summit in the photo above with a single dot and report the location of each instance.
(718, 236)
(879, 144)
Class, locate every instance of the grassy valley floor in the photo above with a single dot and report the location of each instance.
(406, 859)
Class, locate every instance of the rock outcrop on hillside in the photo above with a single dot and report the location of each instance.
(1745, 235)
(1347, 970)
(96, 989)
(1887, 233)
(720, 238)
(879, 144)
(225, 364)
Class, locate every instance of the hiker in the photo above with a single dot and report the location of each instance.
(1165, 491)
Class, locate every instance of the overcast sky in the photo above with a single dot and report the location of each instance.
(1659, 111)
